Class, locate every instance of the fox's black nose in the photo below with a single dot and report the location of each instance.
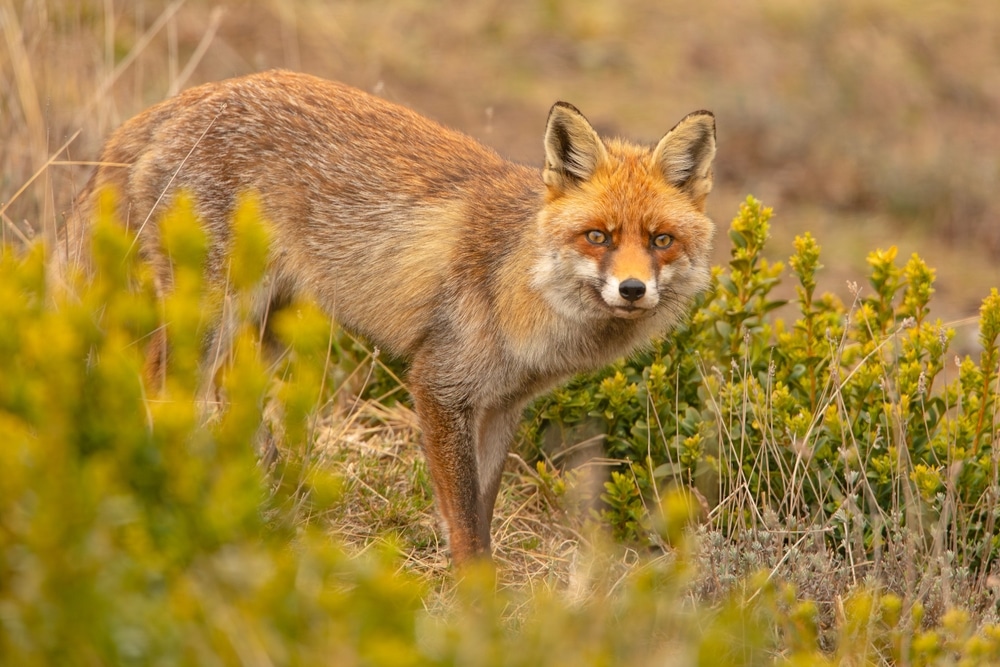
(632, 289)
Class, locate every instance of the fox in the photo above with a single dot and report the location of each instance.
(494, 280)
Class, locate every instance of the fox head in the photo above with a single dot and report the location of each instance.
(624, 226)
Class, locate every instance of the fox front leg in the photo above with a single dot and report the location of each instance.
(451, 459)
(496, 428)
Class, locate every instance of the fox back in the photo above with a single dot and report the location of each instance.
(494, 279)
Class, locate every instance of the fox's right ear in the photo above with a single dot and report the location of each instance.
(573, 150)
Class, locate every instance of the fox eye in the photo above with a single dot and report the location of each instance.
(663, 241)
(597, 237)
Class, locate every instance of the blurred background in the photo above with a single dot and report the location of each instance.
(866, 122)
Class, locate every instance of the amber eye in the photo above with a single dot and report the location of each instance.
(597, 237)
(663, 241)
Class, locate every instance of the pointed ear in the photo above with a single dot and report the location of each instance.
(573, 151)
(685, 155)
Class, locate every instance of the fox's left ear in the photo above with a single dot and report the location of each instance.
(685, 155)
(573, 150)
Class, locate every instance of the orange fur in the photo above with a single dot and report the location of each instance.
(495, 280)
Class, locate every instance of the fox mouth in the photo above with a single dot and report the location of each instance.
(623, 312)
(629, 312)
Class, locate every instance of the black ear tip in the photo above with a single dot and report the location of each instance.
(704, 114)
(565, 105)
(703, 118)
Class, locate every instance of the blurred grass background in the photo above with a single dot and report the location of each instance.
(867, 122)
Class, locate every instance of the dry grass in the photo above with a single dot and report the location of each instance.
(387, 504)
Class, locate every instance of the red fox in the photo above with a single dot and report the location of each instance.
(495, 280)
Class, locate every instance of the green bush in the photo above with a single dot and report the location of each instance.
(130, 531)
(844, 417)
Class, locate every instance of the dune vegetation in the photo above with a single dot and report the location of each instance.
(805, 472)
